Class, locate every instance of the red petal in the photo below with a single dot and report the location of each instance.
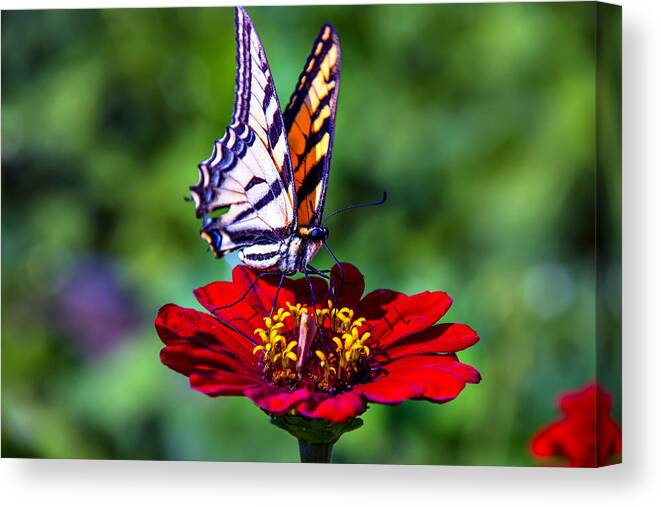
(301, 288)
(579, 441)
(434, 378)
(248, 298)
(220, 298)
(338, 408)
(610, 438)
(187, 359)
(586, 402)
(390, 390)
(274, 400)
(546, 442)
(407, 315)
(448, 363)
(244, 302)
(221, 383)
(377, 303)
(260, 293)
(347, 285)
(441, 338)
(177, 325)
(223, 299)
(438, 386)
(586, 436)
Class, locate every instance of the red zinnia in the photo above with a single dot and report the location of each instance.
(321, 363)
(586, 436)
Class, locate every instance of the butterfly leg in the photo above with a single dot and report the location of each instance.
(319, 272)
(234, 328)
(312, 298)
(331, 287)
(277, 293)
(243, 296)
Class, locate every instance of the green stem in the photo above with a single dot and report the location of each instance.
(315, 453)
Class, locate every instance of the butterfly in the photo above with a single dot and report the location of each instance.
(262, 190)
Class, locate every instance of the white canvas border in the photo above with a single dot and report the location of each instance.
(636, 482)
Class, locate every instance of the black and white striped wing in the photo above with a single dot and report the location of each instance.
(245, 194)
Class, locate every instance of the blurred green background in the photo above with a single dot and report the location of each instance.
(479, 120)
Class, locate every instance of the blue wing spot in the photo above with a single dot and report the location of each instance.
(217, 240)
(227, 159)
(240, 148)
(215, 179)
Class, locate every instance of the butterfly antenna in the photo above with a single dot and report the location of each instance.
(339, 265)
(332, 254)
(361, 205)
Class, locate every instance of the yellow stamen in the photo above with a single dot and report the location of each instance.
(288, 333)
(276, 350)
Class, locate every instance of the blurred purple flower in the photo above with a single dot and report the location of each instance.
(94, 307)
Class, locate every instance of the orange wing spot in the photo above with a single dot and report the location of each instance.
(317, 193)
(301, 83)
(320, 89)
(332, 55)
(207, 237)
(325, 71)
(312, 101)
(329, 62)
(317, 152)
(310, 65)
(317, 51)
(323, 114)
(321, 148)
(326, 34)
(302, 120)
(296, 140)
(306, 208)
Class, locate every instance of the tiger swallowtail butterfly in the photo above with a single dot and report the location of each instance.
(266, 178)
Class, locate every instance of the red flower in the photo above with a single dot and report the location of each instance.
(586, 436)
(327, 364)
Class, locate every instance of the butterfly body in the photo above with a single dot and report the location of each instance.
(289, 256)
(262, 190)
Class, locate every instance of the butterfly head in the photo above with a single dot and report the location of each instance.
(315, 233)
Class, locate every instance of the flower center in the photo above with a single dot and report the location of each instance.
(326, 350)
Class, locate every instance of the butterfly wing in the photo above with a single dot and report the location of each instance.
(310, 123)
(248, 180)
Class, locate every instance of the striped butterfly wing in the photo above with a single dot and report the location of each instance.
(310, 124)
(245, 194)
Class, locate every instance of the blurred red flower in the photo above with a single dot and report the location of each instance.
(586, 436)
(325, 362)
